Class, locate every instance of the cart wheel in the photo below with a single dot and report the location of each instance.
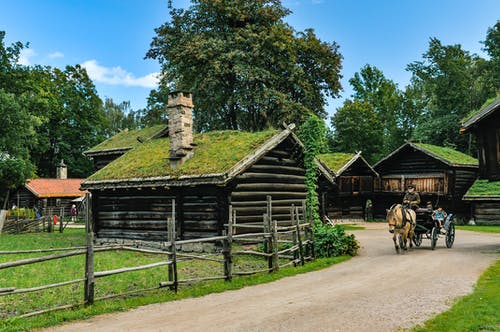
(417, 239)
(450, 236)
(434, 237)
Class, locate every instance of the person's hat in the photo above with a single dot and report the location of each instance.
(411, 185)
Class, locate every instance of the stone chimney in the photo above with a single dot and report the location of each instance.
(62, 171)
(180, 127)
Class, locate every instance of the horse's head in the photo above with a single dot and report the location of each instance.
(392, 218)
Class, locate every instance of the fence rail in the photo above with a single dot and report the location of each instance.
(283, 245)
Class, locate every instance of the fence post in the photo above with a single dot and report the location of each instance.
(299, 239)
(89, 258)
(61, 220)
(269, 207)
(227, 244)
(294, 234)
(50, 224)
(276, 265)
(172, 268)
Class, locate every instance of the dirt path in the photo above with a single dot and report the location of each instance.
(376, 291)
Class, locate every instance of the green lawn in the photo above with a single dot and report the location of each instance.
(349, 227)
(478, 311)
(73, 268)
(484, 229)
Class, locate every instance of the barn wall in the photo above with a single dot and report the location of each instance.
(486, 212)
(279, 174)
(142, 214)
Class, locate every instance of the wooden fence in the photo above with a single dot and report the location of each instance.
(284, 244)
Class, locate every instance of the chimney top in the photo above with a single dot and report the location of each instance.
(62, 171)
(180, 98)
(180, 127)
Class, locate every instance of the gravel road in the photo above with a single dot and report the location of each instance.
(375, 291)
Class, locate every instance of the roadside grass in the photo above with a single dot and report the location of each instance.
(351, 227)
(479, 228)
(73, 268)
(478, 311)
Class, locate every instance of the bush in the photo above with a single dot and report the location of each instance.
(330, 241)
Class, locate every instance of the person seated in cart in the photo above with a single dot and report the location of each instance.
(440, 216)
(411, 198)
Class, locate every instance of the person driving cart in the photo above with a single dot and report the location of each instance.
(439, 215)
(411, 198)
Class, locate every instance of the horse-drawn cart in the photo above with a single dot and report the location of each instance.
(429, 228)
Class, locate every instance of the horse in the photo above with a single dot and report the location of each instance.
(403, 228)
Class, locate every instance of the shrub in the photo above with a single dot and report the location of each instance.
(330, 241)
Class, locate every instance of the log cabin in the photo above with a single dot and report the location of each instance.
(354, 178)
(441, 175)
(50, 195)
(484, 195)
(203, 173)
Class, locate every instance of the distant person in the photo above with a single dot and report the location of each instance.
(73, 213)
(411, 198)
(440, 215)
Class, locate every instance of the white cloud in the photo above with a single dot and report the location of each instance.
(25, 55)
(118, 76)
(56, 55)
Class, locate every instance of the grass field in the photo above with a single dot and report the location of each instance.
(73, 268)
(484, 229)
(478, 311)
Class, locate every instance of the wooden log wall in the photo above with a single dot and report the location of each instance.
(142, 214)
(279, 174)
(486, 213)
(463, 180)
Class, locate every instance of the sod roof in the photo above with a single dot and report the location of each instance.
(214, 153)
(451, 156)
(335, 161)
(488, 108)
(127, 139)
(484, 189)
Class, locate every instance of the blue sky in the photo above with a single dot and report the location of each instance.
(111, 37)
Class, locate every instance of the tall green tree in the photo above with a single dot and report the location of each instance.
(356, 127)
(451, 83)
(371, 86)
(247, 68)
(492, 47)
(119, 116)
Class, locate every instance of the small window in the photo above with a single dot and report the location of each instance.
(58, 202)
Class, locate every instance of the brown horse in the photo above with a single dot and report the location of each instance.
(402, 228)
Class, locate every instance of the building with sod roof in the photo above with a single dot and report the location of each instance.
(354, 179)
(484, 195)
(441, 176)
(197, 177)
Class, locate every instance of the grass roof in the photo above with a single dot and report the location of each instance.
(335, 161)
(128, 138)
(450, 155)
(484, 188)
(474, 112)
(215, 152)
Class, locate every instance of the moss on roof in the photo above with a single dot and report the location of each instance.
(474, 112)
(128, 138)
(215, 152)
(450, 155)
(484, 188)
(335, 161)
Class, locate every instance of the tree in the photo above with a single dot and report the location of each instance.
(247, 68)
(119, 117)
(451, 84)
(358, 128)
(371, 86)
(492, 47)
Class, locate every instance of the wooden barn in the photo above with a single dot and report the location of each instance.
(205, 174)
(50, 195)
(441, 175)
(114, 147)
(484, 195)
(354, 178)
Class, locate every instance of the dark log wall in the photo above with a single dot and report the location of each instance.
(488, 140)
(102, 160)
(279, 174)
(486, 212)
(436, 182)
(142, 214)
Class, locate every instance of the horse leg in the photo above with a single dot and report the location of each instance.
(394, 238)
(405, 239)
